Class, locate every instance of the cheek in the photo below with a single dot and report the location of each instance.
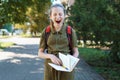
(52, 17)
(63, 18)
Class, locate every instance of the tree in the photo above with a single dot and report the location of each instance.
(98, 21)
(15, 11)
(37, 15)
(115, 24)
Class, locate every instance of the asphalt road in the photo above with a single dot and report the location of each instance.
(20, 62)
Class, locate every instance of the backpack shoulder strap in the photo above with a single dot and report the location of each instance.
(69, 30)
(47, 30)
(69, 36)
(47, 33)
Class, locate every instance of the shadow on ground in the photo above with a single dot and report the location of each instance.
(20, 62)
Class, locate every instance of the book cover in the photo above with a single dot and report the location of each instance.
(69, 63)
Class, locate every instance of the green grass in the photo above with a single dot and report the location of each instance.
(29, 35)
(101, 62)
(25, 35)
(5, 44)
(4, 36)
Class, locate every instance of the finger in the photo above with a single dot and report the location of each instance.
(55, 61)
(59, 62)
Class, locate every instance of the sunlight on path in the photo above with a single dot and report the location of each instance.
(5, 55)
(19, 40)
(11, 55)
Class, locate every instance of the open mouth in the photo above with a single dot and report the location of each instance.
(58, 22)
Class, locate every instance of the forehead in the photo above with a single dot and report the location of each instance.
(57, 9)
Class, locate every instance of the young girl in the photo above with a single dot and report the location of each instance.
(57, 42)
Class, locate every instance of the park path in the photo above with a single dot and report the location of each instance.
(20, 62)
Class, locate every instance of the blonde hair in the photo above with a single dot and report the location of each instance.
(50, 11)
(57, 5)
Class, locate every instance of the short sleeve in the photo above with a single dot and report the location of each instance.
(42, 40)
(74, 39)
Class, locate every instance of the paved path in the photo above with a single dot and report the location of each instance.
(20, 62)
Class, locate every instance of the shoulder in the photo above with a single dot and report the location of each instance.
(46, 29)
(43, 32)
(70, 28)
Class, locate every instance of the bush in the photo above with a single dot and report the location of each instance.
(101, 62)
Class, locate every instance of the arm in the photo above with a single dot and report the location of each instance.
(76, 52)
(43, 55)
(52, 57)
(75, 44)
(42, 47)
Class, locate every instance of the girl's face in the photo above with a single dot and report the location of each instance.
(57, 16)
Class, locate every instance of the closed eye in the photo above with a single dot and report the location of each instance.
(60, 14)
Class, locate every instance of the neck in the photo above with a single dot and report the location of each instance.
(58, 28)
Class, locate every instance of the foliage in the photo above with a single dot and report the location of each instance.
(5, 44)
(99, 22)
(13, 10)
(22, 11)
(91, 54)
(37, 15)
(100, 61)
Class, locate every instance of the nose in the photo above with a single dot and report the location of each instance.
(57, 17)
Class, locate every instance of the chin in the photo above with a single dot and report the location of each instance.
(59, 24)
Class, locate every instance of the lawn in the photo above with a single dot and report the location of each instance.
(100, 61)
(5, 44)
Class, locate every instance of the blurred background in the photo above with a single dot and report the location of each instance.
(97, 24)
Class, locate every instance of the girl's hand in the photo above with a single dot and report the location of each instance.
(55, 59)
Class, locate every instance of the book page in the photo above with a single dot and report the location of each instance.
(73, 61)
(65, 60)
(59, 68)
(69, 62)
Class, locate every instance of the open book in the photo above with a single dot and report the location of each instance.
(69, 62)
